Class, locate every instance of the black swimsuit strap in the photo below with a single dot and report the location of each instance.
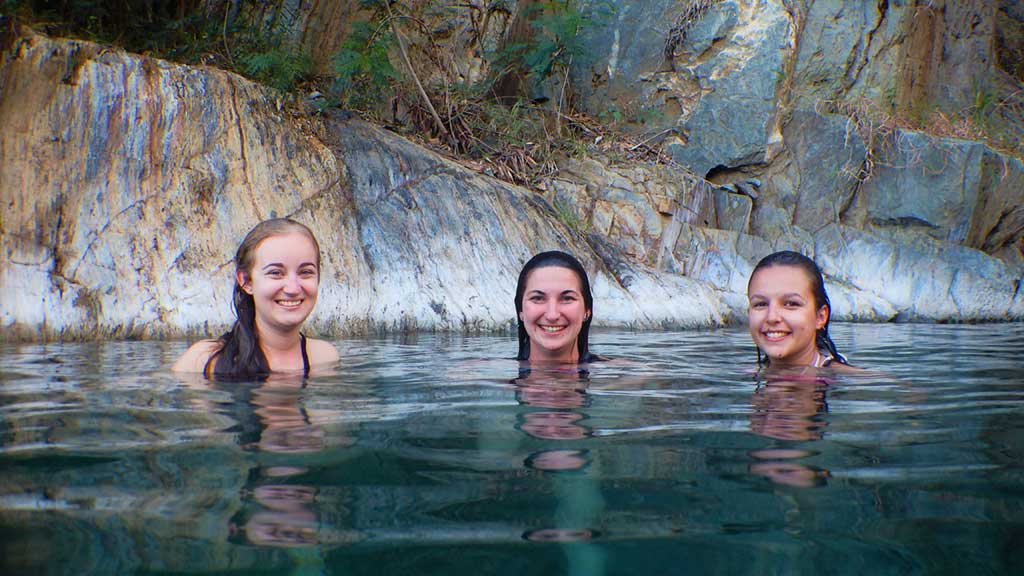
(305, 356)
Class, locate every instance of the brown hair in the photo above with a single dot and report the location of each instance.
(240, 355)
(809, 267)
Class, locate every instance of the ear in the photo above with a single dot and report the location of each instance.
(822, 317)
(244, 281)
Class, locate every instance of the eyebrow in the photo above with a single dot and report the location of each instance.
(539, 291)
(786, 295)
(281, 265)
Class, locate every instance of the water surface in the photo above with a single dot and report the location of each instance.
(435, 454)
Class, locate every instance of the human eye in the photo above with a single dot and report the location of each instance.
(275, 273)
(794, 303)
(308, 272)
(758, 304)
(569, 297)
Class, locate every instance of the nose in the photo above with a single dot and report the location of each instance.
(773, 313)
(292, 285)
(551, 312)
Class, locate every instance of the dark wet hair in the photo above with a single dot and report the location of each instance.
(798, 260)
(561, 260)
(240, 355)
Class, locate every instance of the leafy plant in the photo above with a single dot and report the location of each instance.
(361, 65)
(278, 67)
(558, 27)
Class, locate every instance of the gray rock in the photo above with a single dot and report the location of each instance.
(847, 49)
(997, 219)
(769, 220)
(721, 258)
(731, 123)
(826, 155)
(750, 188)
(733, 211)
(924, 181)
(132, 235)
(622, 52)
(923, 279)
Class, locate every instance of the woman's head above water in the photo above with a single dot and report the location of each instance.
(554, 308)
(789, 311)
(277, 278)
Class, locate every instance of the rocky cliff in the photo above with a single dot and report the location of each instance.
(126, 182)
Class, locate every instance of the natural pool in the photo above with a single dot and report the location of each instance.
(430, 454)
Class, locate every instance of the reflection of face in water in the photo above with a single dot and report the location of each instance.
(559, 535)
(552, 389)
(282, 529)
(789, 410)
(553, 425)
(559, 390)
(557, 460)
(286, 425)
(790, 473)
(284, 518)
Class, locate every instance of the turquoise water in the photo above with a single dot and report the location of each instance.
(431, 454)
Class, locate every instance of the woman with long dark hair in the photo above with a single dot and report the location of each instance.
(554, 308)
(789, 313)
(277, 277)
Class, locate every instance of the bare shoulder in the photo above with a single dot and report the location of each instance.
(194, 359)
(321, 351)
(847, 369)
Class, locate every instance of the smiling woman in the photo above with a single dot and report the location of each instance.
(789, 313)
(554, 308)
(277, 278)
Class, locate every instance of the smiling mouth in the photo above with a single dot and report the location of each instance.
(775, 335)
(289, 303)
(552, 329)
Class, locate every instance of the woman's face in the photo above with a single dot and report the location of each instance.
(283, 282)
(553, 314)
(782, 315)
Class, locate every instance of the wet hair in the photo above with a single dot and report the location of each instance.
(240, 355)
(798, 260)
(560, 260)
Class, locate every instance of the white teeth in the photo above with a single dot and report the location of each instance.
(775, 334)
(552, 328)
(289, 302)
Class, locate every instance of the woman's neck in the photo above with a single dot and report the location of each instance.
(541, 356)
(282, 349)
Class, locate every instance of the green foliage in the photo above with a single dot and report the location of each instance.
(984, 101)
(571, 220)
(612, 114)
(278, 67)
(361, 65)
(137, 25)
(558, 39)
(512, 124)
(11, 7)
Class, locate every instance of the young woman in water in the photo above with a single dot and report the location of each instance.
(554, 308)
(789, 313)
(277, 276)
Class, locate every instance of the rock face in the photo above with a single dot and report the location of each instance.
(126, 182)
(127, 189)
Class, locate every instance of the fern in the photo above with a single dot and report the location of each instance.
(277, 67)
(558, 38)
(361, 65)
